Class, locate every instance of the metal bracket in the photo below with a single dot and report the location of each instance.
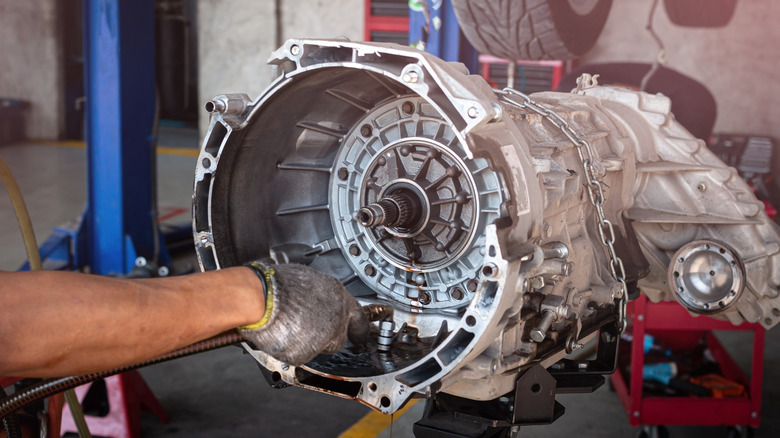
(532, 403)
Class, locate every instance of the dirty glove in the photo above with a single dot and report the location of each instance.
(307, 313)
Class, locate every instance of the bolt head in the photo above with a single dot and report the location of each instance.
(295, 50)
(537, 335)
(410, 77)
(472, 112)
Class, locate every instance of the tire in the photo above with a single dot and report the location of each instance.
(700, 13)
(532, 29)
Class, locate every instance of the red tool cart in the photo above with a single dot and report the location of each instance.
(676, 329)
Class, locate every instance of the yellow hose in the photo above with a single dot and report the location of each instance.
(28, 234)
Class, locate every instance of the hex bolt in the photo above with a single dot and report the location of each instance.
(385, 340)
(539, 332)
(410, 77)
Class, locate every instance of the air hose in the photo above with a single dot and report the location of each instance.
(50, 387)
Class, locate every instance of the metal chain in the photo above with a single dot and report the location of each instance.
(595, 187)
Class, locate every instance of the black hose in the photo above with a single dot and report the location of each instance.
(50, 387)
(9, 422)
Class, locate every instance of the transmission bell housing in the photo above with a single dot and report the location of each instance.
(500, 229)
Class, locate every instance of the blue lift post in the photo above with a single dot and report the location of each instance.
(439, 32)
(119, 75)
(120, 220)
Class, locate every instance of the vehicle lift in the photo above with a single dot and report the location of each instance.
(119, 227)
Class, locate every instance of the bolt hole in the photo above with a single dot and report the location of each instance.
(722, 251)
(471, 321)
(276, 377)
(457, 294)
(492, 251)
(721, 304)
(206, 163)
(712, 273)
(370, 270)
(676, 274)
(472, 285)
(776, 312)
(768, 321)
(681, 259)
(487, 271)
(210, 107)
(424, 298)
(366, 131)
(372, 386)
(535, 388)
(384, 402)
(354, 250)
(407, 108)
(342, 174)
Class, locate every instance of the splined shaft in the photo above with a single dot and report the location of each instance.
(394, 210)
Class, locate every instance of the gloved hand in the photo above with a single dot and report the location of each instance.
(307, 313)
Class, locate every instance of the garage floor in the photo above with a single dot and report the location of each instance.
(222, 393)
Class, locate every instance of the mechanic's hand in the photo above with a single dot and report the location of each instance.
(307, 313)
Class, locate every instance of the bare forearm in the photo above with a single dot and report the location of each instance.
(59, 323)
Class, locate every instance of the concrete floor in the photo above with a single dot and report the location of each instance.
(222, 393)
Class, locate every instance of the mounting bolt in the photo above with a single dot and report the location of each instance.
(539, 332)
(410, 77)
(701, 187)
(295, 50)
(472, 112)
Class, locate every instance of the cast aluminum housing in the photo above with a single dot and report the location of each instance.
(419, 186)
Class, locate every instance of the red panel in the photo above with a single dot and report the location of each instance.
(7, 381)
(672, 324)
(382, 23)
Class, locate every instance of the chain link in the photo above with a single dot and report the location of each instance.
(595, 187)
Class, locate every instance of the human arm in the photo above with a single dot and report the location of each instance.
(61, 323)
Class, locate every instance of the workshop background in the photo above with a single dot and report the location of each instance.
(222, 393)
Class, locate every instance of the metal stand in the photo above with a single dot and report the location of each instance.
(532, 403)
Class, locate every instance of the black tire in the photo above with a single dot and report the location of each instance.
(532, 29)
(700, 13)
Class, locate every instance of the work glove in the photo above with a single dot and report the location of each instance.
(307, 313)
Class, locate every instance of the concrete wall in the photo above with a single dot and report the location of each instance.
(30, 67)
(739, 63)
(235, 38)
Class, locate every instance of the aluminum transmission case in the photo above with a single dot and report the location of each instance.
(420, 187)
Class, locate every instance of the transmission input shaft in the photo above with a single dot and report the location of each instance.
(395, 210)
